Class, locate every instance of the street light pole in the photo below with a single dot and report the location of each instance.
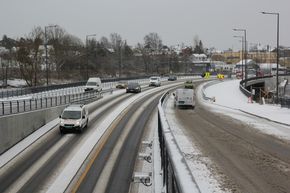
(277, 68)
(245, 40)
(45, 46)
(87, 48)
(242, 54)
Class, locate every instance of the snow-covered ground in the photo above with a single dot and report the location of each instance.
(231, 101)
(228, 94)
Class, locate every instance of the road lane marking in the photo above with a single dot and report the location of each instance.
(27, 175)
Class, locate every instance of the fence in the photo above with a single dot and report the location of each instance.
(284, 101)
(177, 177)
(37, 89)
(24, 105)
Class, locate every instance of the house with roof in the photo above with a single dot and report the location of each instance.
(199, 63)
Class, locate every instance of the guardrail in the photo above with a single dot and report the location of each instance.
(284, 101)
(177, 177)
(30, 104)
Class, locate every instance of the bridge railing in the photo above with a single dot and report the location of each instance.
(284, 101)
(30, 104)
(177, 177)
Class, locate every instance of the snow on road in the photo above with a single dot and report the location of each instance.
(199, 165)
(231, 102)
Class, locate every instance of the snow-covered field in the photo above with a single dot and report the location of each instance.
(231, 101)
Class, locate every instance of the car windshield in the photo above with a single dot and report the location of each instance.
(133, 85)
(71, 115)
(91, 84)
(153, 78)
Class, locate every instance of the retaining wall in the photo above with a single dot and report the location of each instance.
(14, 128)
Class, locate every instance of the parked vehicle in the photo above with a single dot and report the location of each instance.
(133, 87)
(155, 81)
(172, 78)
(122, 84)
(94, 84)
(74, 118)
(184, 98)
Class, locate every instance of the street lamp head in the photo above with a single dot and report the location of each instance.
(271, 13)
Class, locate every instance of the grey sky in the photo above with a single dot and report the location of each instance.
(176, 21)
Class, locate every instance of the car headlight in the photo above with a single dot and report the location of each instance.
(77, 123)
(61, 122)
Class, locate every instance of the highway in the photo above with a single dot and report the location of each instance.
(110, 163)
(104, 157)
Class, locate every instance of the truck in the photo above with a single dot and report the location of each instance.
(184, 97)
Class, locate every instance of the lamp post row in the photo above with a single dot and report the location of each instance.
(277, 56)
(245, 44)
(242, 54)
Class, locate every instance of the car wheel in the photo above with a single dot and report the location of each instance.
(87, 123)
(61, 131)
(81, 129)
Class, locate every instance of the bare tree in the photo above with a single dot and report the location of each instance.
(66, 48)
(29, 56)
(8, 55)
(117, 43)
(153, 46)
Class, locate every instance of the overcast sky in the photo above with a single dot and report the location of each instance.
(176, 21)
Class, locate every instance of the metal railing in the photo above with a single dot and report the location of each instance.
(177, 177)
(24, 105)
(37, 89)
(284, 101)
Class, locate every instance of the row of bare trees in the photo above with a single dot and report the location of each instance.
(69, 59)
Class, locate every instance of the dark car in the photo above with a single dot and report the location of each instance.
(172, 78)
(121, 85)
(133, 87)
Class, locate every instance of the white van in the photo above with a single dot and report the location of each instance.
(155, 81)
(184, 97)
(94, 84)
(74, 118)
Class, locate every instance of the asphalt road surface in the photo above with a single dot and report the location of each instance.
(108, 168)
(248, 160)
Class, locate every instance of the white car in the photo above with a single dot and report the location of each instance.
(74, 118)
(155, 81)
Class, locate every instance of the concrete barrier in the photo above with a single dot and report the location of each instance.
(13, 128)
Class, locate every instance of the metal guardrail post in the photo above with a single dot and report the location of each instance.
(176, 178)
(35, 103)
(17, 106)
(24, 106)
(40, 102)
(3, 110)
(10, 107)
